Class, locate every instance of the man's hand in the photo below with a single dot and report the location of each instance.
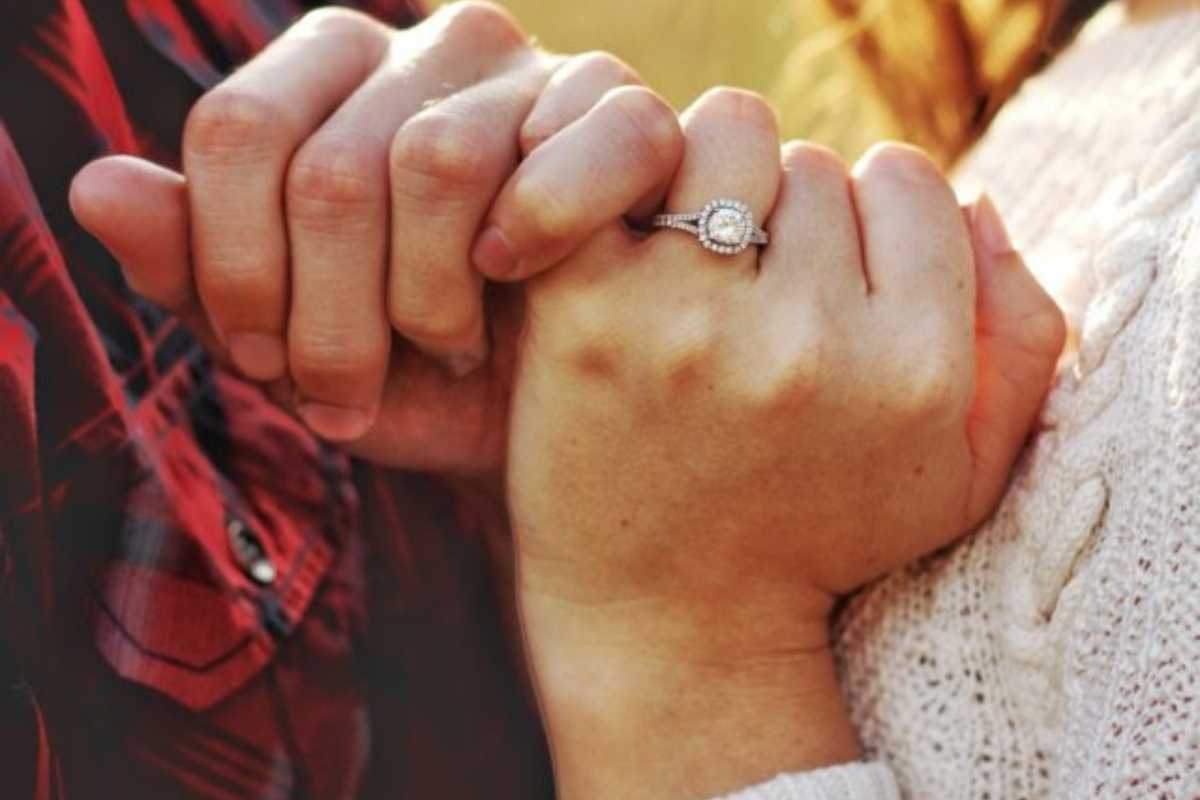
(706, 450)
(334, 194)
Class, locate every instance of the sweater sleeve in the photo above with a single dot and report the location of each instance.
(857, 781)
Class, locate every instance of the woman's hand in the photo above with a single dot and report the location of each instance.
(334, 192)
(706, 450)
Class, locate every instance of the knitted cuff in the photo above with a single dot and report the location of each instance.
(858, 781)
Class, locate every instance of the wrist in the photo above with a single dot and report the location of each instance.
(633, 708)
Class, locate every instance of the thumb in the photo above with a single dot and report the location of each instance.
(139, 211)
(1020, 334)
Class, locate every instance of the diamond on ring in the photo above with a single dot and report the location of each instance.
(724, 226)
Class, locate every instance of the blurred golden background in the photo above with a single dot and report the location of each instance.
(842, 72)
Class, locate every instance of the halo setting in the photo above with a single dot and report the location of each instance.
(726, 226)
(723, 226)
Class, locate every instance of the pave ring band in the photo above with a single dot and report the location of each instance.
(724, 226)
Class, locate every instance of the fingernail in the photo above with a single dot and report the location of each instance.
(462, 363)
(494, 254)
(260, 356)
(990, 227)
(337, 423)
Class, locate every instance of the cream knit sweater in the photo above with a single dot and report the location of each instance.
(1056, 652)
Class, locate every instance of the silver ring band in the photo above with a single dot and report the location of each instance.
(723, 226)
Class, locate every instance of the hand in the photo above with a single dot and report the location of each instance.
(706, 450)
(334, 190)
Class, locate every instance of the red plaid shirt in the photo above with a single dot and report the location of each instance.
(197, 598)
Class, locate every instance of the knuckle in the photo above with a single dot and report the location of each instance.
(651, 124)
(479, 23)
(810, 157)
(536, 131)
(338, 21)
(785, 387)
(442, 150)
(901, 161)
(586, 338)
(570, 317)
(932, 392)
(688, 354)
(739, 104)
(325, 177)
(594, 68)
(357, 35)
(231, 120)
(602, 67)
(806, 369)
(547, 215)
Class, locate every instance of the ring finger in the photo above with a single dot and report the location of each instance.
(731, 152)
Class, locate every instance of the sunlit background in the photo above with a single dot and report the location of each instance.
(842, 72)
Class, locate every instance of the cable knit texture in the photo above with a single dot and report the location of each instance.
(1056, 652)
(844, 782)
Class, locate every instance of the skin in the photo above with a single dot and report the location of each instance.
(329, 237)
(706, 451)
(324, 234)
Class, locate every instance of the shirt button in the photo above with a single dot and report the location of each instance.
(250, 554)
(263, 572)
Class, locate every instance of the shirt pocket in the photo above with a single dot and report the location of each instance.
(218, 558)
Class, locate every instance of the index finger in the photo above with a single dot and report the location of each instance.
(593, 172)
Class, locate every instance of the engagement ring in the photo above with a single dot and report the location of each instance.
(724, 226)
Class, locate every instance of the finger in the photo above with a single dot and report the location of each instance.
(338, 337)
(447, 165)
(899, 193)
(337, 195)
(574, 89)
(238, 141)
(814, 256)
(513, 245)
(138, 210)
(731, 151)
(1020, 334)
(591, 174)
(916, 252)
